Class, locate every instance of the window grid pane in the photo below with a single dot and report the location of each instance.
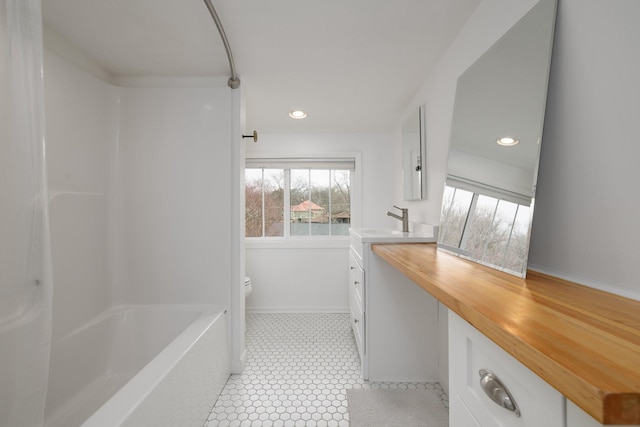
(320, 201)
(317, 201)
(519, 242)
(455, 217)
(301, 208)
(254, 216)
(479, 226)
(273, 184)
(490, 230)
(340, 202)
(499, 233)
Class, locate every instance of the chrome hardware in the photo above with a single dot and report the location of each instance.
(404, 218)
(352, 268)
(234, 80)
(355, 283)
(497, 392)
(355, 320)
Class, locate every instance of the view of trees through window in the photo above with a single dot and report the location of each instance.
(490, 230)
(318, 202)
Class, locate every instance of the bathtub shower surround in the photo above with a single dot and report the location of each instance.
(140, 366)
(129, 227)
(25, 264)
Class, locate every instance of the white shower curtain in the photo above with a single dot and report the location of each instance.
(25, 258)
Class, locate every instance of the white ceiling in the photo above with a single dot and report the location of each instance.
(353, 65)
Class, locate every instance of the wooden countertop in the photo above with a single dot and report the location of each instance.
(582, 341)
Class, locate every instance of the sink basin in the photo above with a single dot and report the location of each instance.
(382, 232)
(388, 235)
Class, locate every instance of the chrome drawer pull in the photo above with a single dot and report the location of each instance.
(497, 392)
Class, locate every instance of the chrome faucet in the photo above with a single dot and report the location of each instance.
(404, 218)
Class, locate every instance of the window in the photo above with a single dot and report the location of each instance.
(488, 229)
(298, 197)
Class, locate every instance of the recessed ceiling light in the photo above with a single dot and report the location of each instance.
(507, 141)
(297, 114)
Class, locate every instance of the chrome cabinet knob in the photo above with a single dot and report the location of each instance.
(497, 392)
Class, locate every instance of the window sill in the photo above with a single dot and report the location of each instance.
(334, 242)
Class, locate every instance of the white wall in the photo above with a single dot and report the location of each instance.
(586, 223)
(313, 277)
(298, 278)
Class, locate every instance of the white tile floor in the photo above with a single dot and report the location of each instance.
(298, 370)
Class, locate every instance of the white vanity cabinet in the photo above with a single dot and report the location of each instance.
(395, 323)
(474, 359)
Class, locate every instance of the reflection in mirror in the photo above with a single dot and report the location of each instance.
(490, 187)
(413, 155)
(487, 229)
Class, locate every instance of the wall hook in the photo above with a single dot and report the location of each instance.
(254, 135)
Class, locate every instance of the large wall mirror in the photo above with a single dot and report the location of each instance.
(495, 144)
(413, 155)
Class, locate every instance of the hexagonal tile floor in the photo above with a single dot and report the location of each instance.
(299, 367)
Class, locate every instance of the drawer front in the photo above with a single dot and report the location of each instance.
(356, 249)
(357, 324)
(356, 279)
(356, 246)
(470, 352)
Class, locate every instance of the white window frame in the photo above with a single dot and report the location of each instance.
(340, 241)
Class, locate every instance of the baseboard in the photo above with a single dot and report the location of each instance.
(296, 310)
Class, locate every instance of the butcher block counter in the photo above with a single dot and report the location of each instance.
(583, 342)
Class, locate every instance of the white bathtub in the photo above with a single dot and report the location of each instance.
(140, 366)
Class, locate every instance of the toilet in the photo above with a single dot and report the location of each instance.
(248, 288)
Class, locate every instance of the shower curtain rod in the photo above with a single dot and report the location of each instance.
(234, 81)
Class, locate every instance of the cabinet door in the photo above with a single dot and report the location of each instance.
(356, 305)
(357, 325)
(470, 354)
